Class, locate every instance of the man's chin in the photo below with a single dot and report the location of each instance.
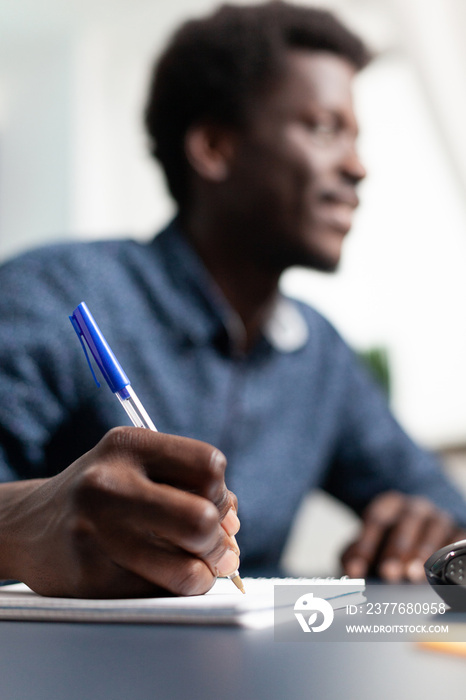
(309, 262)
(323, 265)
(323, 255)
(319, 261)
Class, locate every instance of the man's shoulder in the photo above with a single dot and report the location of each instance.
(71, 253)
(62, 274)
(63, 262)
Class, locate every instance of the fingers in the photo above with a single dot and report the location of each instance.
(420, 531)
(230, 522)
(187, 464)
(182, 548)
(169, 570)
(377, 519)
(399, 533)
(143, 501)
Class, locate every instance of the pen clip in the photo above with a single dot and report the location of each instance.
(83, 344)
(90, 334)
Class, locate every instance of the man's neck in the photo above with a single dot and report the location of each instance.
(250, 290)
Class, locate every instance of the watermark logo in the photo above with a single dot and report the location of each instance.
(310, 605)
(345, 610)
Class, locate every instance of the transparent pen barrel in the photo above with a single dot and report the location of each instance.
(134, 408)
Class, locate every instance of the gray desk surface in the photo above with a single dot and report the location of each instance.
(54, 661)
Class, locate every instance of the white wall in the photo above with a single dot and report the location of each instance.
(73, 163)
(34, 141)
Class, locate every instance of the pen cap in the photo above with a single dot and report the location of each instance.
(88, 331)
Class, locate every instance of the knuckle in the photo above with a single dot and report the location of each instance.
(217, 465)
(377, 517)
(421, 507)
(213, 476)
(223, 502)
(119, 440)
(390, 497)
(384, 507)
(192, 579)
(203, 524)
(95, 487)
(90, 483)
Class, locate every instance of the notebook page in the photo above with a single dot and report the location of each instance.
(223, 604)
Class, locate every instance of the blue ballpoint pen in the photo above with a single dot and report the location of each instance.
(90, 335)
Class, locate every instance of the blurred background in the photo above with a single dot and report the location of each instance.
(74, 164)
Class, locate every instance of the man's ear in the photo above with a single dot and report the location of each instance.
(209, 149)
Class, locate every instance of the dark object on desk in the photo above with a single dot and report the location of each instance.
(446, 572)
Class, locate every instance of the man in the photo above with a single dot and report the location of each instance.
(250, 114)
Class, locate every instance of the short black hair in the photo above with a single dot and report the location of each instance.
(214, 66)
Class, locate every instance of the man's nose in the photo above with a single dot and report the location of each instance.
(352, 165)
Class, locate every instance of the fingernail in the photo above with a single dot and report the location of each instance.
(356, 568)
(415, 571)
(231, 522)
(392, 570)
(228, 563)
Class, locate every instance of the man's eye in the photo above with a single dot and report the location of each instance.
(323, 131)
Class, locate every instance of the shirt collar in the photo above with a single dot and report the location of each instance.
(286, 329)
(199, 309)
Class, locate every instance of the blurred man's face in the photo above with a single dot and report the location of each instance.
(293, 178)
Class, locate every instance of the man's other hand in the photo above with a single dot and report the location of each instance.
(399, 533)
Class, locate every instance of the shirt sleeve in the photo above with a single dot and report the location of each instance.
(42, 382)
(374, 454)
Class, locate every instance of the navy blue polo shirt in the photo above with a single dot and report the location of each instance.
(295, 413)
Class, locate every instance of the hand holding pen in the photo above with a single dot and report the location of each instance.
(202, 519)
(140, 514)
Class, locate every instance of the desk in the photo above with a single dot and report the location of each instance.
(60, 661)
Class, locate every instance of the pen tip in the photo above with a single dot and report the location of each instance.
(238, 583)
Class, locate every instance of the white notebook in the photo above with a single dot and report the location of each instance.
(223, 604)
